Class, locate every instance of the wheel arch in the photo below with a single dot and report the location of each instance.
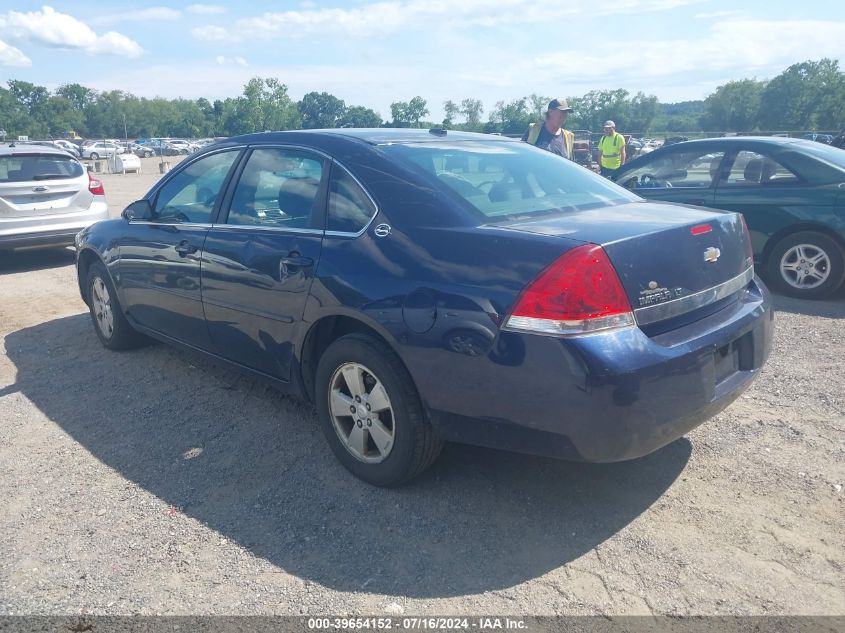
(323, 333)
(86, 258)
(785, 232)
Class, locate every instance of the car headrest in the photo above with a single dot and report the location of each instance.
(753, 170)
(297, 196)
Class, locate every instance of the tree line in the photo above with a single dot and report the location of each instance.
(808, 95)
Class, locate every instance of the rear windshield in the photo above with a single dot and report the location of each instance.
(511, 180)
(29, 167)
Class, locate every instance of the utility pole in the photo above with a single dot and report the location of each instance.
(125, 135)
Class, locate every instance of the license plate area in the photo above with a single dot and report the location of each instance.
(733, 357)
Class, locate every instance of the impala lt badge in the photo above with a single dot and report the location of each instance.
(712, 254)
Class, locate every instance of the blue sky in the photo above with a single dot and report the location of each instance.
(372, 53)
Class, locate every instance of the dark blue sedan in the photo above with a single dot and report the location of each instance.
(430, 286)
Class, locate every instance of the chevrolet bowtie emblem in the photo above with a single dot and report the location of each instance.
(712, 254)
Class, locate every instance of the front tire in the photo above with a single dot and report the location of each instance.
(807, 265)
(371, 413)
(95, 156)
(112, 328)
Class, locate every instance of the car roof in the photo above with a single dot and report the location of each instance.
(30, 148)
(380, 136)
(770, 141)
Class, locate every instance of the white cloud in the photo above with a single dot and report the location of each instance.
(212, 33)
(153, 14)
(749, 45)
(391, 16)
(716, 14)
(236, 61)
(205, 9)
(60, 30)
(11, 56)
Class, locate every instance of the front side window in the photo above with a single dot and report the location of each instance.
(753, 169)
(191, 194)
(508, 179)
(675, 169)
(350, 209)
(278, 188)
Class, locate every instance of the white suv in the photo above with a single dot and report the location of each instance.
(46, 197)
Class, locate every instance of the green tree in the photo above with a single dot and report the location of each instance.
(792, 100)
(734, 106)
(451, 109)
(321, 110)
(472, 109)
(510, 118)
(265, 105)
(359, 116)
(416, 110)
(538, 105)
(640, 113)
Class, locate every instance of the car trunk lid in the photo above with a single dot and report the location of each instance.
(671, 259)
(33, 184)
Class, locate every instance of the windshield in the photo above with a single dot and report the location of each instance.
(29, 167)
(511, 180)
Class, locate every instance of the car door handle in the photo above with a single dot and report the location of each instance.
(185, 248)
(293, 262)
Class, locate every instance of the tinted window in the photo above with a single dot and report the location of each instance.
(191, 194)
(350, 209)
(675, 169)
(28, 167)
(278, 188)
(510, 179)
(751, 169)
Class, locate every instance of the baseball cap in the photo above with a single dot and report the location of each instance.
(559, 104)
(609, 124)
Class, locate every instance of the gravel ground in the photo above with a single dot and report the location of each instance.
(157, 483)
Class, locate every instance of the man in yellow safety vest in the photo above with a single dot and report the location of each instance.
(611, 150)
(550, 135)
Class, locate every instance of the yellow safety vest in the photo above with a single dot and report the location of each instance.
(568, 138)
(611, 157)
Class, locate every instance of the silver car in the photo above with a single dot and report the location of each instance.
(46, 197)
(101, 149)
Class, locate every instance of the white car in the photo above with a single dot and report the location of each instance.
(46, 197)
(97, 150)
(68, 147)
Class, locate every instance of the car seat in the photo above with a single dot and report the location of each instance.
(753, 171)
(296, 200)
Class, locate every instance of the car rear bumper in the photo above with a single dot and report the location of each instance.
(53, 230)
(607, 397)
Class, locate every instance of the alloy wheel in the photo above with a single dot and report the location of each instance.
(362, 415)
(805, 266)
(102, 307)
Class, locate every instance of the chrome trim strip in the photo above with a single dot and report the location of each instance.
(275, 229)
(676, 307)
(190, 225)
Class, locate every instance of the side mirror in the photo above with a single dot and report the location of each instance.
(138, 210)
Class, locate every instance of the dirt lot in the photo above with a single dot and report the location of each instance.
(153, 482)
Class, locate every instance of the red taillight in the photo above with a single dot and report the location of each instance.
(701, 229)
(95, 186)
(579, 293)
(749, 249)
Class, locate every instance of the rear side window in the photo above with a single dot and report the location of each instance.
(279, 188)
(350, 208)
(509, 179)
(753, 169)
(29, 167)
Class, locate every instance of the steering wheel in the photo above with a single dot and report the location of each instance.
(650, 180)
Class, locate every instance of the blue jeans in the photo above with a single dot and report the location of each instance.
(607, 172)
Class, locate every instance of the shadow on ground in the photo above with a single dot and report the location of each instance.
(252, 465)
(36, 259)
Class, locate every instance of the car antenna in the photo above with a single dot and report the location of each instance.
(437, 131)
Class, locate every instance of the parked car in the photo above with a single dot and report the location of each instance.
(97, 150)
(69, 147)
(789, 190)
(141, 151)
(183, 146)
(46, 197)
(160, 147)
(827, 139)
(423, 287)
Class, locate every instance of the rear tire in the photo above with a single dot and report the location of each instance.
(95, 156)
(395, 441)
(111, 326)
(807, 265)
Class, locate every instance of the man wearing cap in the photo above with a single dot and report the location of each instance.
(611, 150)
(550, 135)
